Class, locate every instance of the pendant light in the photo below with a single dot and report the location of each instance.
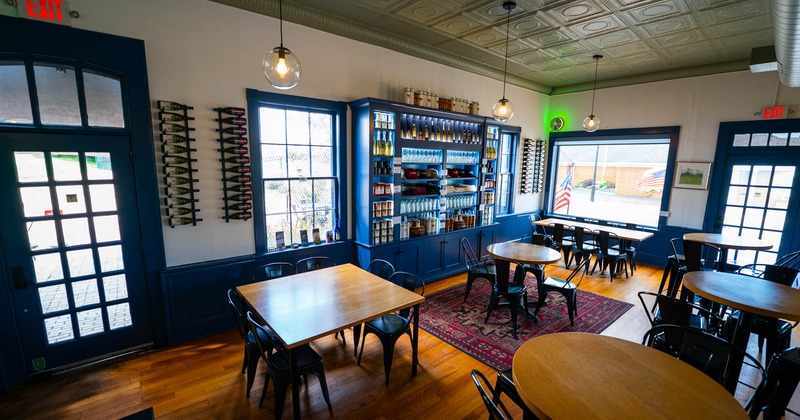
(591, 123)
(503, 110)
(281, 67)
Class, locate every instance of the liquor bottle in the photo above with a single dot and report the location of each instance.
(172, 106)
(231, 111)
(241, 197)
(239, 131)
(337, 236)
(245, 215)
(174, 128)
(239, 160)
(240, 188)
(244, 169)
(232, 120)
(414, 131)
(184, 221)
(180, 191)
(178, 201)
(178, 180)
(240, 206)
(175, 170)
(177, 160)
(235, 150)
(173, 116)
(174, 138)
(240, 178)
(175, 211)
(174, 148)
(238, 141)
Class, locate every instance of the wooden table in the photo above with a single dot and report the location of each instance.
(522, 253)
(304, 307)
(726, 242)
(579, 375)
(752, 296)
(627, 234)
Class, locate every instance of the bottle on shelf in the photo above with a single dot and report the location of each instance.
(179, 201)
(178, 211)
(231, 110)
(176, 170)
(174, 148)
(240, 188)
(174, 138)
(174, 128)
(183, 220)
(337, 235)
(240, 178)
(177, 180)
(232, 120)
(237, 141)
(239, 131)
(234, 150)
(172, 106)
(243, 169)
(245, 215)
(241, 197)
(173, 116)
(171, 191)
(177, 160)
(240, 206)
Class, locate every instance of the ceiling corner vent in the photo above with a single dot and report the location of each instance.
(763, 59)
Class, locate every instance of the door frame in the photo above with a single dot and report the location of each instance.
(23, 38)
(725, 153)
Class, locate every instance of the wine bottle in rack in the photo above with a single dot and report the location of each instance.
(172, 106)
(241, 216)
(179, 211)
(233, 120)
(237, 141)
(241, 197)
(239, 131)
(244, 169)
(240, 206)
(184, 220)
(240, 188)
(179, 191)
(235, 150)
(175, 138)
(240, 160)
(177, 180)
(230, 110)
(174, 128)
(173, 116)
(174, 148)
(177, 160)
(240, 178)
(176, 170)
(179, 201)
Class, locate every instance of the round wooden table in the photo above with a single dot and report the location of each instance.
(726, 242)
(579, 375)
(751, 295)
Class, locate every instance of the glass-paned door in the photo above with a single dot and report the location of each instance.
(70, 240)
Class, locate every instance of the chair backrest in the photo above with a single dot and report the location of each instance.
(558, 233)
(692, 255)
(579, 235)
(604, 239)
(410, 282)
(496, 411)
(469, 255)
(266, 344)
(579, 269)
(537, 239)
(273, 271)
(314, 263)
(238, 307)
(791, 260)
(536, 229)
(706, 352)
(780, 274)
(381, 268)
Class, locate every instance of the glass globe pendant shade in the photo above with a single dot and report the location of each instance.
(591, 123)
(503, 110)
(282, 68)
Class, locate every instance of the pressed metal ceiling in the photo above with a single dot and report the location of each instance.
(551, 42)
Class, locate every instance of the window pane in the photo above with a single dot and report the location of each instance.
(297, 130)
(299, 161)
(70, 199)
(741, 140)
(98, 166)
(779, 198)
(103, 100)
(48, 267)
(30, 166)
(103, 198)
(90, 322)
(737, 195)
(42, 235)
(323, 194)
(757, 197)
(279, 223)
(783, 176)
(66, 166)
(76, 231)
(273, 125)
(57, 91)
(324, 221)
(321, 130)
(119, 316)
(740, 175)
(85, 293)
(753, 218)
(322, 161)
(276, 197)
(775, 219)
(53, 298)
(81, 262)
(36, 201)
(110, 258)
(273, 161)
(301, 197)
(15, 101)
(778, 139)
(58, 328)
(106, 228)
(794, 139)
(761, 175)
(115, 287)
(759, 139)
(733, 215)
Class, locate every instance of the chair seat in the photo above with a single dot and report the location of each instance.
(261, 336)
(696, 321)
(389, 324)
(558, 283)
(771, 325)
(306, 356)
(514, 288)
(484, 269)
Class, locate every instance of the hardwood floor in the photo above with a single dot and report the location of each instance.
(203, 379)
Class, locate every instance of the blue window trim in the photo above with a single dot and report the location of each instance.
(514, 147)
(257, 99)
(631, 134)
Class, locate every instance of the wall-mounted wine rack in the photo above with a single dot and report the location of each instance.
(179, 180)
(532, 166)
(237, 184)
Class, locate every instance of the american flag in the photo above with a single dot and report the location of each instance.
(653, 178)
(564, 192)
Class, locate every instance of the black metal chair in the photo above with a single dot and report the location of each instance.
(705, 352)
(563, 243)
(273, 271)
(515, 293)
(251, 348)
(583, 249)
(389, 328)
(538, 229)
(476, 269)
(783, 375)
(629, 247)
(314, 263)
(567, 288)
(381, 268)
(497, 411)
(607, 257)
(505, 385)
(674, 311)
(776, 332)
(279, 368)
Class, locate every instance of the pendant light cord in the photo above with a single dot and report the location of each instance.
(505, 66)
(280, 14)
(594, 86)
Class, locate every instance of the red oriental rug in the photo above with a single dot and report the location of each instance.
(445, 315)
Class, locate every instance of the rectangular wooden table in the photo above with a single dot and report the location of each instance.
(627, 234)
(304, 307)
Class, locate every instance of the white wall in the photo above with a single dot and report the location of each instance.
(697, 105)
(206, 55)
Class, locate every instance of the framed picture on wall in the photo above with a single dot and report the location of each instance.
(692, 175)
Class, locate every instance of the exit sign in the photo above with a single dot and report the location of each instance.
(53, 11)
(775, 112)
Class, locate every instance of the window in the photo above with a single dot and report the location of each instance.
(620, 176)
(296, 140)
(506, 162)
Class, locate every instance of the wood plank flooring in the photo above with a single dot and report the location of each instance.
(202, 379)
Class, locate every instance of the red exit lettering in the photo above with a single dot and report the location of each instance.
(775, 112)
(45, 9)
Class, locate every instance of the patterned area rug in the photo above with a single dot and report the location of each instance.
(445, 315)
